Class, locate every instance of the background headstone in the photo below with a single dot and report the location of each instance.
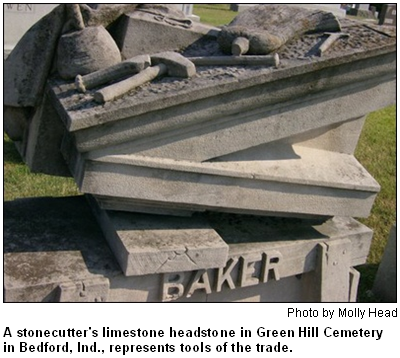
(18, 18)
(388, 15)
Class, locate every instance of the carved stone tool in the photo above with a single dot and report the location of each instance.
(267, 60)
(332, 38)
(128, 67)
(85, 49)
(240, 46)
(268, 27)
(171, 63)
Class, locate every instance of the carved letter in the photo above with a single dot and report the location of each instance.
(200, 281)
(247, 271)
(270, 263)
(224, 274)
(172, 286)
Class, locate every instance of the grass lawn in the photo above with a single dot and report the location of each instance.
(376, 151)
(214, 14)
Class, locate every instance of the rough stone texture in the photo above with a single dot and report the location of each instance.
(146, 244)
(211, 103)
(48, 242)
(86, 51)
(262, 26)
(215, 137)
(142, 33)
(55, 244)
(28, 66)
(385, 285)
(104, 14)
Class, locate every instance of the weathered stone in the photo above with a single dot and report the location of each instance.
(286, 181)
(104, 14)
(113, 73)
(149, 31)
(256, 108)
(178, 66)
(73, 251)
(89, 290)
(269, 27)
(52, 242)
(28, 66)
(165, 63)
(147, 244)
(216, 137)
(86, 51)
(385, 285)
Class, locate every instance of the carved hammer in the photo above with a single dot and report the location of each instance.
(128, 67)
(171, 63)
(332, 38)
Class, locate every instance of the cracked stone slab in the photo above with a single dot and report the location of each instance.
(149, 244)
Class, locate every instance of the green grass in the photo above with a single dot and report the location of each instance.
(376, 151)
(214, 14)
(19, 182)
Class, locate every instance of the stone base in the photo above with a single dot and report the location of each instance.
(55, 251)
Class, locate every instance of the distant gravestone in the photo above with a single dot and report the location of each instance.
(388, 15)
(187, 9)
(18, 18)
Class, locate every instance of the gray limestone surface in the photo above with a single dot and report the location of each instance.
(53, 248)
(305, 181)
(150, 30)
(149, 244)
(224, 144)
(86, 51)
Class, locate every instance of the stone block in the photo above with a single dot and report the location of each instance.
(284, 181)
(52, 241)
(385, 285)
(73, 259)
(148, 244)
(145, 32)
(203, 123)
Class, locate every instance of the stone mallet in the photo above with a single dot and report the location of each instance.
(332, 38)
(128, 67)
(165, 63)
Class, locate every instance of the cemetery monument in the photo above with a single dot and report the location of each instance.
(217, 164)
